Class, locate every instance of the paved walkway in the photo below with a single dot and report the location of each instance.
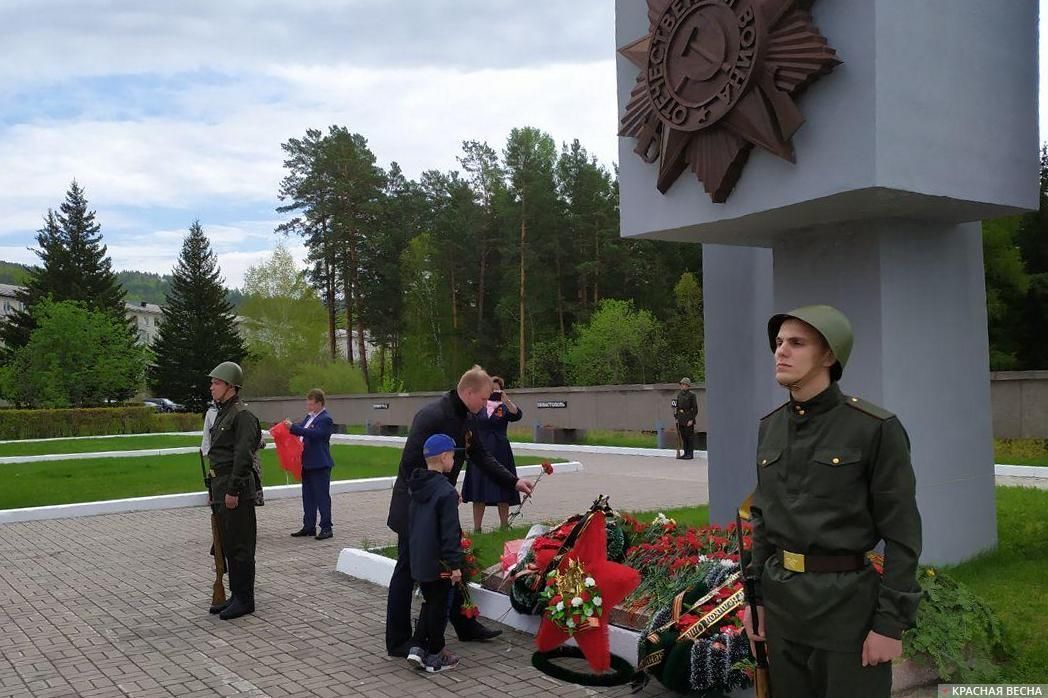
(115, 605)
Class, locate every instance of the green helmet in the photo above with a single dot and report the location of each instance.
(829, 322)
(229, 372)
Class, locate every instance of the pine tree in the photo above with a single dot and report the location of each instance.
(74, 267)
(198, 327)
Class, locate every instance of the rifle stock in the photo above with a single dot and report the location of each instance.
(218, 591)
(761, 678)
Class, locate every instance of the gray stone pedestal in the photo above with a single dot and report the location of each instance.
(914, 292)
(927, 126)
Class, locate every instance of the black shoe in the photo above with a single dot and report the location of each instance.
(303, 533)
(689, 457)
(324, 535)
(236, 609)
(219, 607)
(477, 633)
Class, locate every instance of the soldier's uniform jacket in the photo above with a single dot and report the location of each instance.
(834, 478)
(235, 436)
(687, 407)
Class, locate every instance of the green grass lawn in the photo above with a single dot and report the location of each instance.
(1008, 577)
(124, 443)
(95, 479)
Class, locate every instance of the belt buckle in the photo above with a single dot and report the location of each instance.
(794, 562)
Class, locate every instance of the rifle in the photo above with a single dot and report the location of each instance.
(218, 592)
(761, 679)
(676, 426)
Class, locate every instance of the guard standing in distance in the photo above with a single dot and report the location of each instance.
(686, 411)
(834, 479)
(235, 437)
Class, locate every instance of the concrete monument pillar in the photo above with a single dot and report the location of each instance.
(839, 152)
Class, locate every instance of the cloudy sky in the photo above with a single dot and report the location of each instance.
(169, 112)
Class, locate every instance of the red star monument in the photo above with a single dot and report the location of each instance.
(615, 582)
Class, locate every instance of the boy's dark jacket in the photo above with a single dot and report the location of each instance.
(434, 530)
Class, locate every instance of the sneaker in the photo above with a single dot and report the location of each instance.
(417, 655)
(442, 661)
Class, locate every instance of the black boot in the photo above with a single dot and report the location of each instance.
(244, 592)
(237, 608)
(473, 631)
(219, 607)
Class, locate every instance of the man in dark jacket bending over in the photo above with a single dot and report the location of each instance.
(452, 415)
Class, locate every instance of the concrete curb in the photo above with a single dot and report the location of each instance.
(192, 499)
(377, 569)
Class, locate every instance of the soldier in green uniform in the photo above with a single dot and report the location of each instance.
(235, 436)
(686, 411)
(833, 479)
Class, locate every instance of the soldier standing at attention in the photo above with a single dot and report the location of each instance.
(235, 436)
(833, 479)
(686, 412)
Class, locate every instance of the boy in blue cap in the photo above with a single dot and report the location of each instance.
(436, 551)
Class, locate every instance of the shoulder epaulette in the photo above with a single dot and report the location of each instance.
(868, 407)
(774, 411)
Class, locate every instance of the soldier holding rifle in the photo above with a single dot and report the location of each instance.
(833, 480)
(685, 410)
(235, 436)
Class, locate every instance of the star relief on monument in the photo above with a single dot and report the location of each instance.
(716, 78)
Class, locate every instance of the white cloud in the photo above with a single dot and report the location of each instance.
(103, 37)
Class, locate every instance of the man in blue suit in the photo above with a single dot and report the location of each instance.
(315, 430)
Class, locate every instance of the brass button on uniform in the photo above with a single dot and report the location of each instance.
(836, 461)
(800, 412)
(764, 462)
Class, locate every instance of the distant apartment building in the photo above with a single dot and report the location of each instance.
(9, 302)
(145, 316)
(342, 347)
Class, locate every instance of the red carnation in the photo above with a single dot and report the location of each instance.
(467, 544)
(547, 468)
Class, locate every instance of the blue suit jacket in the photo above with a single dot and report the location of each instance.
(316, 441)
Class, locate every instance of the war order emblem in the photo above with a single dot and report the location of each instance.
(716, 78)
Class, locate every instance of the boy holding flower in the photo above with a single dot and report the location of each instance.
(435, 549)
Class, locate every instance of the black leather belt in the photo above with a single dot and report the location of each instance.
(799, 562)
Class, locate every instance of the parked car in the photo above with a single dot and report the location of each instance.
(165, 405)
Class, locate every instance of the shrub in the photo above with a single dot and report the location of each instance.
(47, 424)
(956, 632)
(334, 378)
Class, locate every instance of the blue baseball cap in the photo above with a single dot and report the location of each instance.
(437, 444)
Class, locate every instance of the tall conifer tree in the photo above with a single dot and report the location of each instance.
(198, 327)
(74, 266)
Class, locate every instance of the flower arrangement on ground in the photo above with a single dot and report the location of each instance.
(573, 600)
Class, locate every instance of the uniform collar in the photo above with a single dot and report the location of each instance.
(821, 403)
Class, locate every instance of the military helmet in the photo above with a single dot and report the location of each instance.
(829, 322)
(229, 372)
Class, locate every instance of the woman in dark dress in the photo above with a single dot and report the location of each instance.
(491, 425)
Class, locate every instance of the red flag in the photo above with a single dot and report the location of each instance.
(289, 449)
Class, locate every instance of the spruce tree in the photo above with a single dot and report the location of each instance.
(74, 267)
(198, 328)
